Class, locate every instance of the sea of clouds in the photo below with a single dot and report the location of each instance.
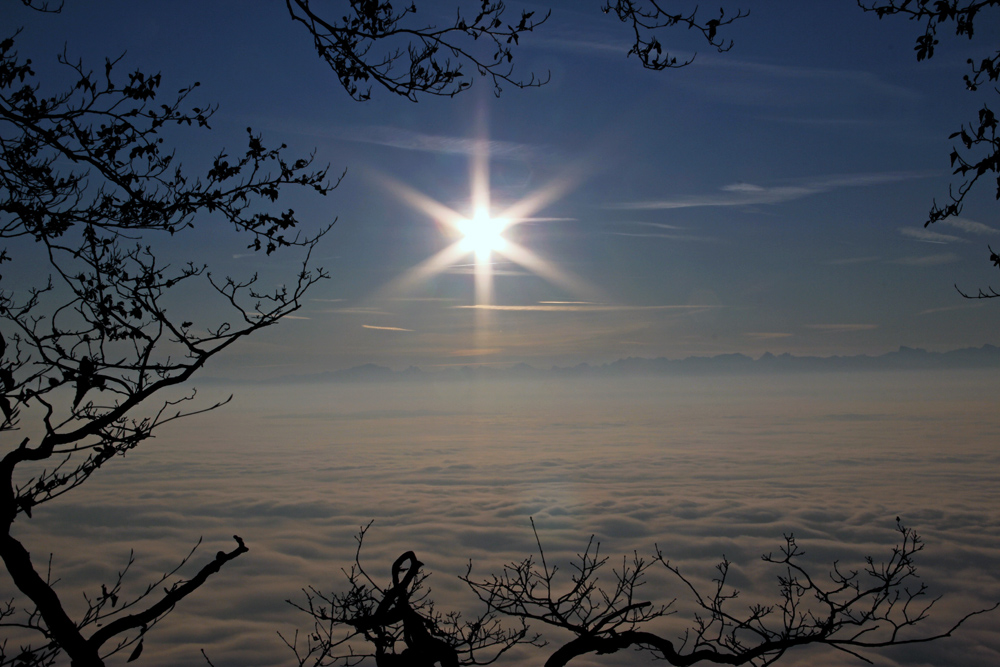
(701, 467)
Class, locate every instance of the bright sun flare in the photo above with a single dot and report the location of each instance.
(483, 235)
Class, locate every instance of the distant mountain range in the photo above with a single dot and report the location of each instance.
(906, 358)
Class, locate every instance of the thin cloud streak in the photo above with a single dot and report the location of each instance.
(552, 308)
(421, 298)
(927, 260)
(948, 309)
(584, 45)
(851, 78)
(372, 326)
(746, 194)
(927, 236)
(970, 226)
(394, 137)
(659, 225)
(672, 237)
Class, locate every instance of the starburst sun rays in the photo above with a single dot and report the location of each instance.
(482, 234)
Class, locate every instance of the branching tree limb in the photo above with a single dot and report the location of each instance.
(396, 626)
(979, 154)
(646, 16)
(376, 43)
(88, 357)
(850, 611)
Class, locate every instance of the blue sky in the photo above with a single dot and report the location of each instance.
(768, 198)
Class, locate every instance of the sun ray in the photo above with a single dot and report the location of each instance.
(484, 281)
(483, 320)
(435, 210)
(521, 210)
(529, 260)
(480, 177)
(428, 268)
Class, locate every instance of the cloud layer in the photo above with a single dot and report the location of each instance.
(701, 467)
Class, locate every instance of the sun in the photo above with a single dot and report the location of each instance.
(483, 235)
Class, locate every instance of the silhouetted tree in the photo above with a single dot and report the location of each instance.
(979, 139)
(412, 58)
(647, 16)
(86, 358)
(422, 59)
(853, 611)
(396, 625)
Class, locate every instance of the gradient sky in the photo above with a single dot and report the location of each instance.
(766, 199)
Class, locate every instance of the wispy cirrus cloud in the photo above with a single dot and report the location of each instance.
(372, 326)
(927, 260)
(829, 78)
(657, 225)
(970, 226)
(927, 236)
(395, 137)
(568, 307)
(422, 299)
(662, 231)
(582, 44)
(672, 237)
(745, 194)
(746, 73)
(948, 309)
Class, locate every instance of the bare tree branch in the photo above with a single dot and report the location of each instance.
(412, 59)
(853, 611)
(979, 155)
(647, 16)
(90, 355)
(397, 625)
